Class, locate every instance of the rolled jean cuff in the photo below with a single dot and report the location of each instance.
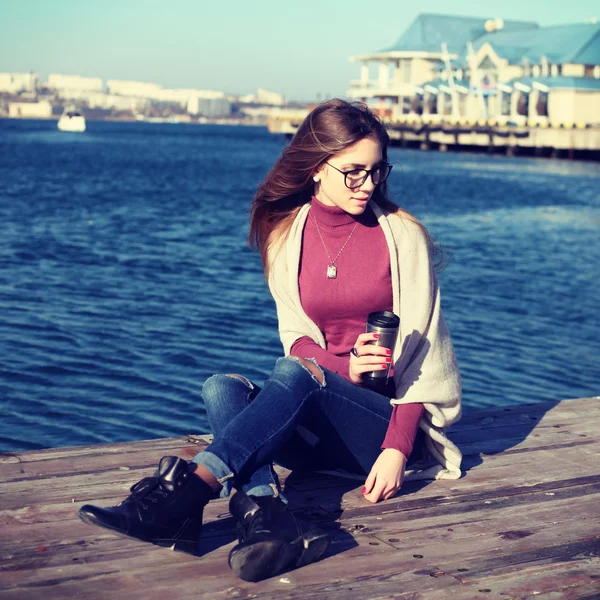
(265, 490)
(218, 468)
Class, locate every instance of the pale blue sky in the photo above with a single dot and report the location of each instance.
(299, 48)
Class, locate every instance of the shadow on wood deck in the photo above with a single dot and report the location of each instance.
(524, 522)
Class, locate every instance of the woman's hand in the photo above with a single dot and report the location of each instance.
(366, 357)
(386, 476)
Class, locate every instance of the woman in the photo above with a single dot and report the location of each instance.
(334, 249)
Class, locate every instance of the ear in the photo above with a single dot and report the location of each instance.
(317, 175)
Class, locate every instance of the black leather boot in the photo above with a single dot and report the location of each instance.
(165, 509)
(271, 539)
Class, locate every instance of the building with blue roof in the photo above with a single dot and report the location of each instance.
(453, 67)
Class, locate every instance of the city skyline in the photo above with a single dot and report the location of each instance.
(299, 51)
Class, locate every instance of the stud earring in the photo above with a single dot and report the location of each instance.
(316, 178)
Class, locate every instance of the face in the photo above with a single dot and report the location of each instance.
(331, 189)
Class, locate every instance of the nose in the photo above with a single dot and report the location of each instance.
(368, 185)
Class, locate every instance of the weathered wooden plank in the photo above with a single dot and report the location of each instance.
(504, 525)
(28, 529)
(161, 444)
(382, 573)
(518, 442)
(144, 456)
(507, 431)
(525, 421)
(524, 464)
(559, 581)
(564, 580)
(518, 536)
(200, 576)
(92, 553)
(533, 468)
(84, 487)
(571, 406)
(529, 468)
(507, 496)
(95, 555)
(383, 576)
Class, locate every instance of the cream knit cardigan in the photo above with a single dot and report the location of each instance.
(425, 368)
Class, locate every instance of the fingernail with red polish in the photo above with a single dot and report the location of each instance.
(376, 336)
(388, 360)
(388, 351)
(364, 490)
(384, 366)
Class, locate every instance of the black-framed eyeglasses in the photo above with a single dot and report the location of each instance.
(356, 177)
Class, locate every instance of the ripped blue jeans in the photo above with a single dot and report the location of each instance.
(295, 421)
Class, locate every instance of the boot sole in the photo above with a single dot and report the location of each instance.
(314, 545)
(263, 560)
(266, 559)
(188, 546)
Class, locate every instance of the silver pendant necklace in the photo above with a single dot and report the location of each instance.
(331, 268)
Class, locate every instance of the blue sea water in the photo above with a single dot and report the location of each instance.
(126, 280)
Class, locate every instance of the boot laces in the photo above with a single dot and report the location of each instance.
(253, 524)
(149, 489)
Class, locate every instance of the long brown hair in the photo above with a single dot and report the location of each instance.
(328, 129)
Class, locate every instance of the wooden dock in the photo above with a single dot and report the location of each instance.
(523, 522)
(541, 137)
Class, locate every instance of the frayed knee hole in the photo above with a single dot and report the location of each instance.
(312, 367)
(243, 379)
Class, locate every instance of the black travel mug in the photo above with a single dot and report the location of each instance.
(386, 324)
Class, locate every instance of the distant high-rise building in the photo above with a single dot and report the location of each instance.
(267, 97)
(61, 82)
(209, 104)
(139, 89)
(14, 83)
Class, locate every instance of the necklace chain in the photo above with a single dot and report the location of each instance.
(332, 269)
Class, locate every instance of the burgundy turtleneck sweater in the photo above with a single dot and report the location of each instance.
(340, 306)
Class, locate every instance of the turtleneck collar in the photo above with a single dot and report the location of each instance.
(331, 217)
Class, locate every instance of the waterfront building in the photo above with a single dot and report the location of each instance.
(207, 103)
(16, 83)
(210, 104)
(502, 86)
(30, 110)
(73, 83)
(196, 101)
(139, 89)
(175, 96)
(263, 97)
(102, 100)
(462, 68)
(137, 97)
(113, 101)
(270, 98)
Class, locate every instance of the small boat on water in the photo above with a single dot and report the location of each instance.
(71, 120)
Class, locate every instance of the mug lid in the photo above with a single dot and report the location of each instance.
(383, 318)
